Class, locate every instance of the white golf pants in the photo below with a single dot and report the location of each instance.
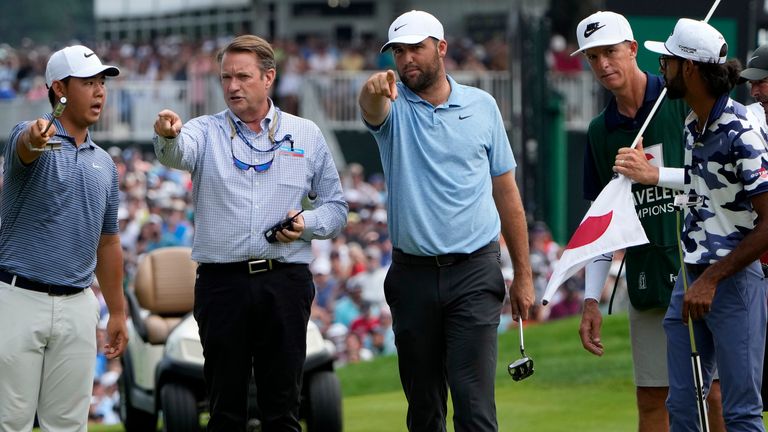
(47, 359)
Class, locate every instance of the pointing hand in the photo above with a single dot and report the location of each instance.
(168, 124)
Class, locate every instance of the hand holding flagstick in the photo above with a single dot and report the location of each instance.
(634, 163)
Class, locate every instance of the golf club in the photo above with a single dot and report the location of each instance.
(522, 368)
(682, 201)
(54, 143)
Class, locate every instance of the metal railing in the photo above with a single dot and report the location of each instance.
(337, 93)
(580, 93)
(132, 106)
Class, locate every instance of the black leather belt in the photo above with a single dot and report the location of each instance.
(696, 268)
(27, 284)
(401, 257)
(251, 266)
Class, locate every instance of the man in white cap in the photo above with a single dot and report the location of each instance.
(721, 291)
(450, 174)
(59, 212)
(607, 42)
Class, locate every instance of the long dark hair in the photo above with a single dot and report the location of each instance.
(720, 78)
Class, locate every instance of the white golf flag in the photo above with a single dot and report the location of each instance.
(610, 224)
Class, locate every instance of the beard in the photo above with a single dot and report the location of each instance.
(676, 87)
(762, 99)
(424, 80)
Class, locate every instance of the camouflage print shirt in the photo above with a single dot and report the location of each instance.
(724, 167)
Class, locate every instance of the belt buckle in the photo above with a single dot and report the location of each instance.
(52, 291)
(251, 264)
(443, 264)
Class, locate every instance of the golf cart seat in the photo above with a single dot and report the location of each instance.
(165, 287)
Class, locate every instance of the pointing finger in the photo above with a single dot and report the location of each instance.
(392, 84)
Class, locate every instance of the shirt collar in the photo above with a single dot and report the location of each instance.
(264, 123)
(614, 119)
(61, 132)
(717, 110)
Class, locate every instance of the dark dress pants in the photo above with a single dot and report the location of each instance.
(253, 322)
(445, 321)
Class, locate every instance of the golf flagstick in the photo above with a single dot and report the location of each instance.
(664, 90)
(698, 378)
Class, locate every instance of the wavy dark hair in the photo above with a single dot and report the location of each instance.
(720, 78)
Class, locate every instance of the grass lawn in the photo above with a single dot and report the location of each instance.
(571, 389)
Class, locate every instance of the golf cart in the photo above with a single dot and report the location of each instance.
(163, 363)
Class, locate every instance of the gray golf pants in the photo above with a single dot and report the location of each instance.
(445, 321)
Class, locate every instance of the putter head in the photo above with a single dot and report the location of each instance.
(521, 369)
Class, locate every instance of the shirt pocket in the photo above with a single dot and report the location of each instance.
(292, 169)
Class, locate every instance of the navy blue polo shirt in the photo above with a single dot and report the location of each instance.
(54, 210)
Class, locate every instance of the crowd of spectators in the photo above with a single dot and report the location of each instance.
(22, 67)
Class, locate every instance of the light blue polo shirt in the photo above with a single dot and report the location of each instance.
(54, 210)
(438, 163)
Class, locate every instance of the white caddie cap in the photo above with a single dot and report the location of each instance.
(413, 27)
(693, 40)
(77, 61)
(602, 29)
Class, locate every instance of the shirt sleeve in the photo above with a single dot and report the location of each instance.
(752, 162)
(330, 216)
(500, 156)
(12, 164)
(183, 151)
(110, 224)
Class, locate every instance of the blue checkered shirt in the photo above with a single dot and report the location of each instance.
(233, 208)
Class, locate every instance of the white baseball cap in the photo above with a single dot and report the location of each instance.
(693, 40)
(602, 29)
(413, 27)
(77, 61)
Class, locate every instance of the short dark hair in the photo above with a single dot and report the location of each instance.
(720, 78)
(253, 44)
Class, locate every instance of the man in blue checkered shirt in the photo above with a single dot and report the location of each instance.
(252, 166)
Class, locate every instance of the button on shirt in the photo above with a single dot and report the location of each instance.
(54, 210)
(726, 165)
(233, 207)
(438, 163)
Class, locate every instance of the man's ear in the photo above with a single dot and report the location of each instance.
(688, 66)
(269, 77)
(59, 88)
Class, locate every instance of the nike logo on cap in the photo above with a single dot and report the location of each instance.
(399, 27)
(88, 55)
(750, 60)
(591, 28)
